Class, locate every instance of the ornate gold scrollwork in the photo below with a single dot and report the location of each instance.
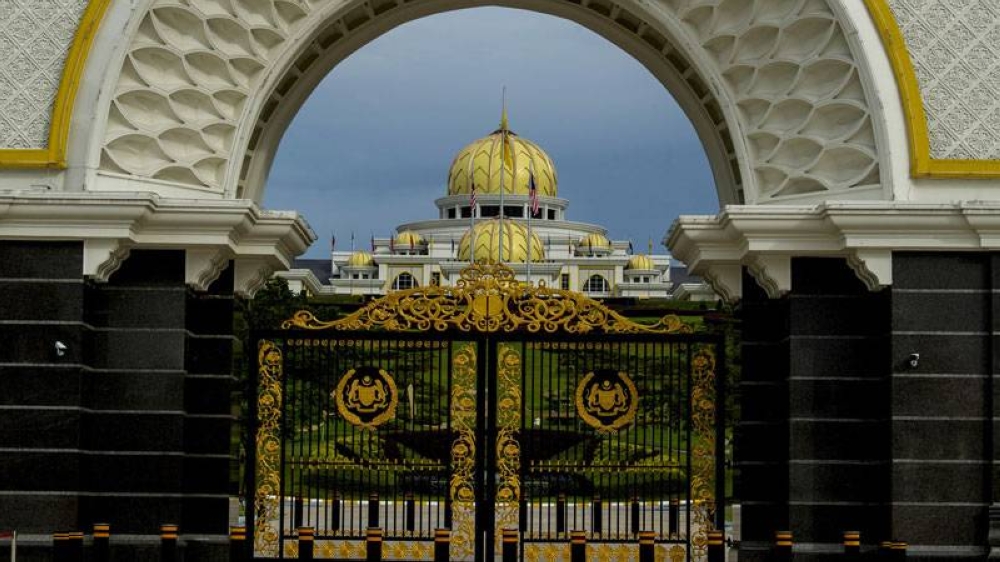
(366, 397)
(508, 448)
(268, 445)
(488, 298)
(702, 481)
(607, 400)
(463, 451)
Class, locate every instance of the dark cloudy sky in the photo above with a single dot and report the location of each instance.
(371, 147)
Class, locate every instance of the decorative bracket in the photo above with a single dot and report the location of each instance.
(103, 256)
(773, 273)
(203, 266)
(726, 280)
(873, 267)
(250, 275)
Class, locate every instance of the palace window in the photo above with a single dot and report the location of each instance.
(404, 281)
(597, 284)
(516, 212)
(436, 278)
(489, 211)
(564, 281)
(552, 214)
(466, 212)
(451, 213)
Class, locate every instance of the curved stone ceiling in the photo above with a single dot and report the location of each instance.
(793, 111)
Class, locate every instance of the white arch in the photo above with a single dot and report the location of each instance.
(774, 125)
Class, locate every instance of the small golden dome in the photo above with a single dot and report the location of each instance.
(487, 240)
(640, 261)
(408, 238)
(360, 258)
(596, 241)
(481, 161)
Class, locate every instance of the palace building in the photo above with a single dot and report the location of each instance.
(502, 205)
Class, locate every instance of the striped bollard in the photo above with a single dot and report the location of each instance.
(74, 546)
(410, 509)
(716, 547)
(674, 517)
(647, 546)
(59, 547)
(237, 544)
(307, 543)
(168, 543)
(508, 549)
(442, 545)
(101, 547)
(373, 509)
(560, 514)
(885, 550)
(373, 544)
(898, 551)
(783, 546)
(578, 546)
(852, 545)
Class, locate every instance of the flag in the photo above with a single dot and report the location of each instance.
(630, 247)
(6, 534)
(373, 242)
(392, 243)
(352, 240)
(333, 242)
(411, 241)
(472, 199)
(452, 245)
(532, 193)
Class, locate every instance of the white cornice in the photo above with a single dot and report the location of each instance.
(110, 225)
(765, 238)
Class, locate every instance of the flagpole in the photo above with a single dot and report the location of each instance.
(531, 210)
(503, 162)
(472, 210)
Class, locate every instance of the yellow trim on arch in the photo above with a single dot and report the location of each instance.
(922, 165)
(62, 110)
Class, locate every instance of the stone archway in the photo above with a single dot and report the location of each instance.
(776, 90)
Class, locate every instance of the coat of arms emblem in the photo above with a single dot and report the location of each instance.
(607, 400)
(366, 397)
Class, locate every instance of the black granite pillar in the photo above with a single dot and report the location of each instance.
(812, 444)
(837, 396)
(134, 393)
(761, 444)
(942, 407)
(41, 303)
(208, 417)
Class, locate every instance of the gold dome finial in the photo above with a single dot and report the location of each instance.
(504, 125)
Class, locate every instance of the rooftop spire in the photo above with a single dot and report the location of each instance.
(503, 113)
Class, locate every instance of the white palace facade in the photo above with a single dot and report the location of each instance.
(544, 248)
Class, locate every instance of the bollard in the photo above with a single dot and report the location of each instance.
(674, 517)
(373, 545)
(237, 544)
(373, 509)
(885, 550)
(578, 546)
(596, 516)
(442, 545)
(635, 516)
(59, 547)
(647, 546)
(335, 512)
(560, 515)
(410, 507)
(297, 512)
(74, 546)
(168, 543)
(852, 545)
(716, 546)
(101, 548)
(898, 551)
(307, 543)
(509, 545)
(783, 546)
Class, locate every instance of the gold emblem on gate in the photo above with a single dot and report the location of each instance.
(366, 397)
(607, 400)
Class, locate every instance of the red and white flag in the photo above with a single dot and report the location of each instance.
(532, 193)
(472, 198)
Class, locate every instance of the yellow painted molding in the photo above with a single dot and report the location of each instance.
(922, 165)
(62, 110)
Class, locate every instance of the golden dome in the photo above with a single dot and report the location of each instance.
(596, 241)
(360, 258)
(408, 238)
(515, 243)
(640, 261)
(481, 160)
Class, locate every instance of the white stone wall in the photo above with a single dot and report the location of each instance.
(35, 36)
(955, 47)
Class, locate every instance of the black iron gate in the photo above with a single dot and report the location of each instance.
(483, 407)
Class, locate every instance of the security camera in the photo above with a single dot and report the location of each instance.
(60, 349)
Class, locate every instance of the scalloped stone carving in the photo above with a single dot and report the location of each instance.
(34, 39)
(955, 48)
(786, 64)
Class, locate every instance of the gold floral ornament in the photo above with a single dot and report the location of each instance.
(488, 298)
(703, 421)
(366, 397)
(268, 444)
(607, 400)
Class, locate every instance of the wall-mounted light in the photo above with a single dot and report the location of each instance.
(60, 349)
(914, 360)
